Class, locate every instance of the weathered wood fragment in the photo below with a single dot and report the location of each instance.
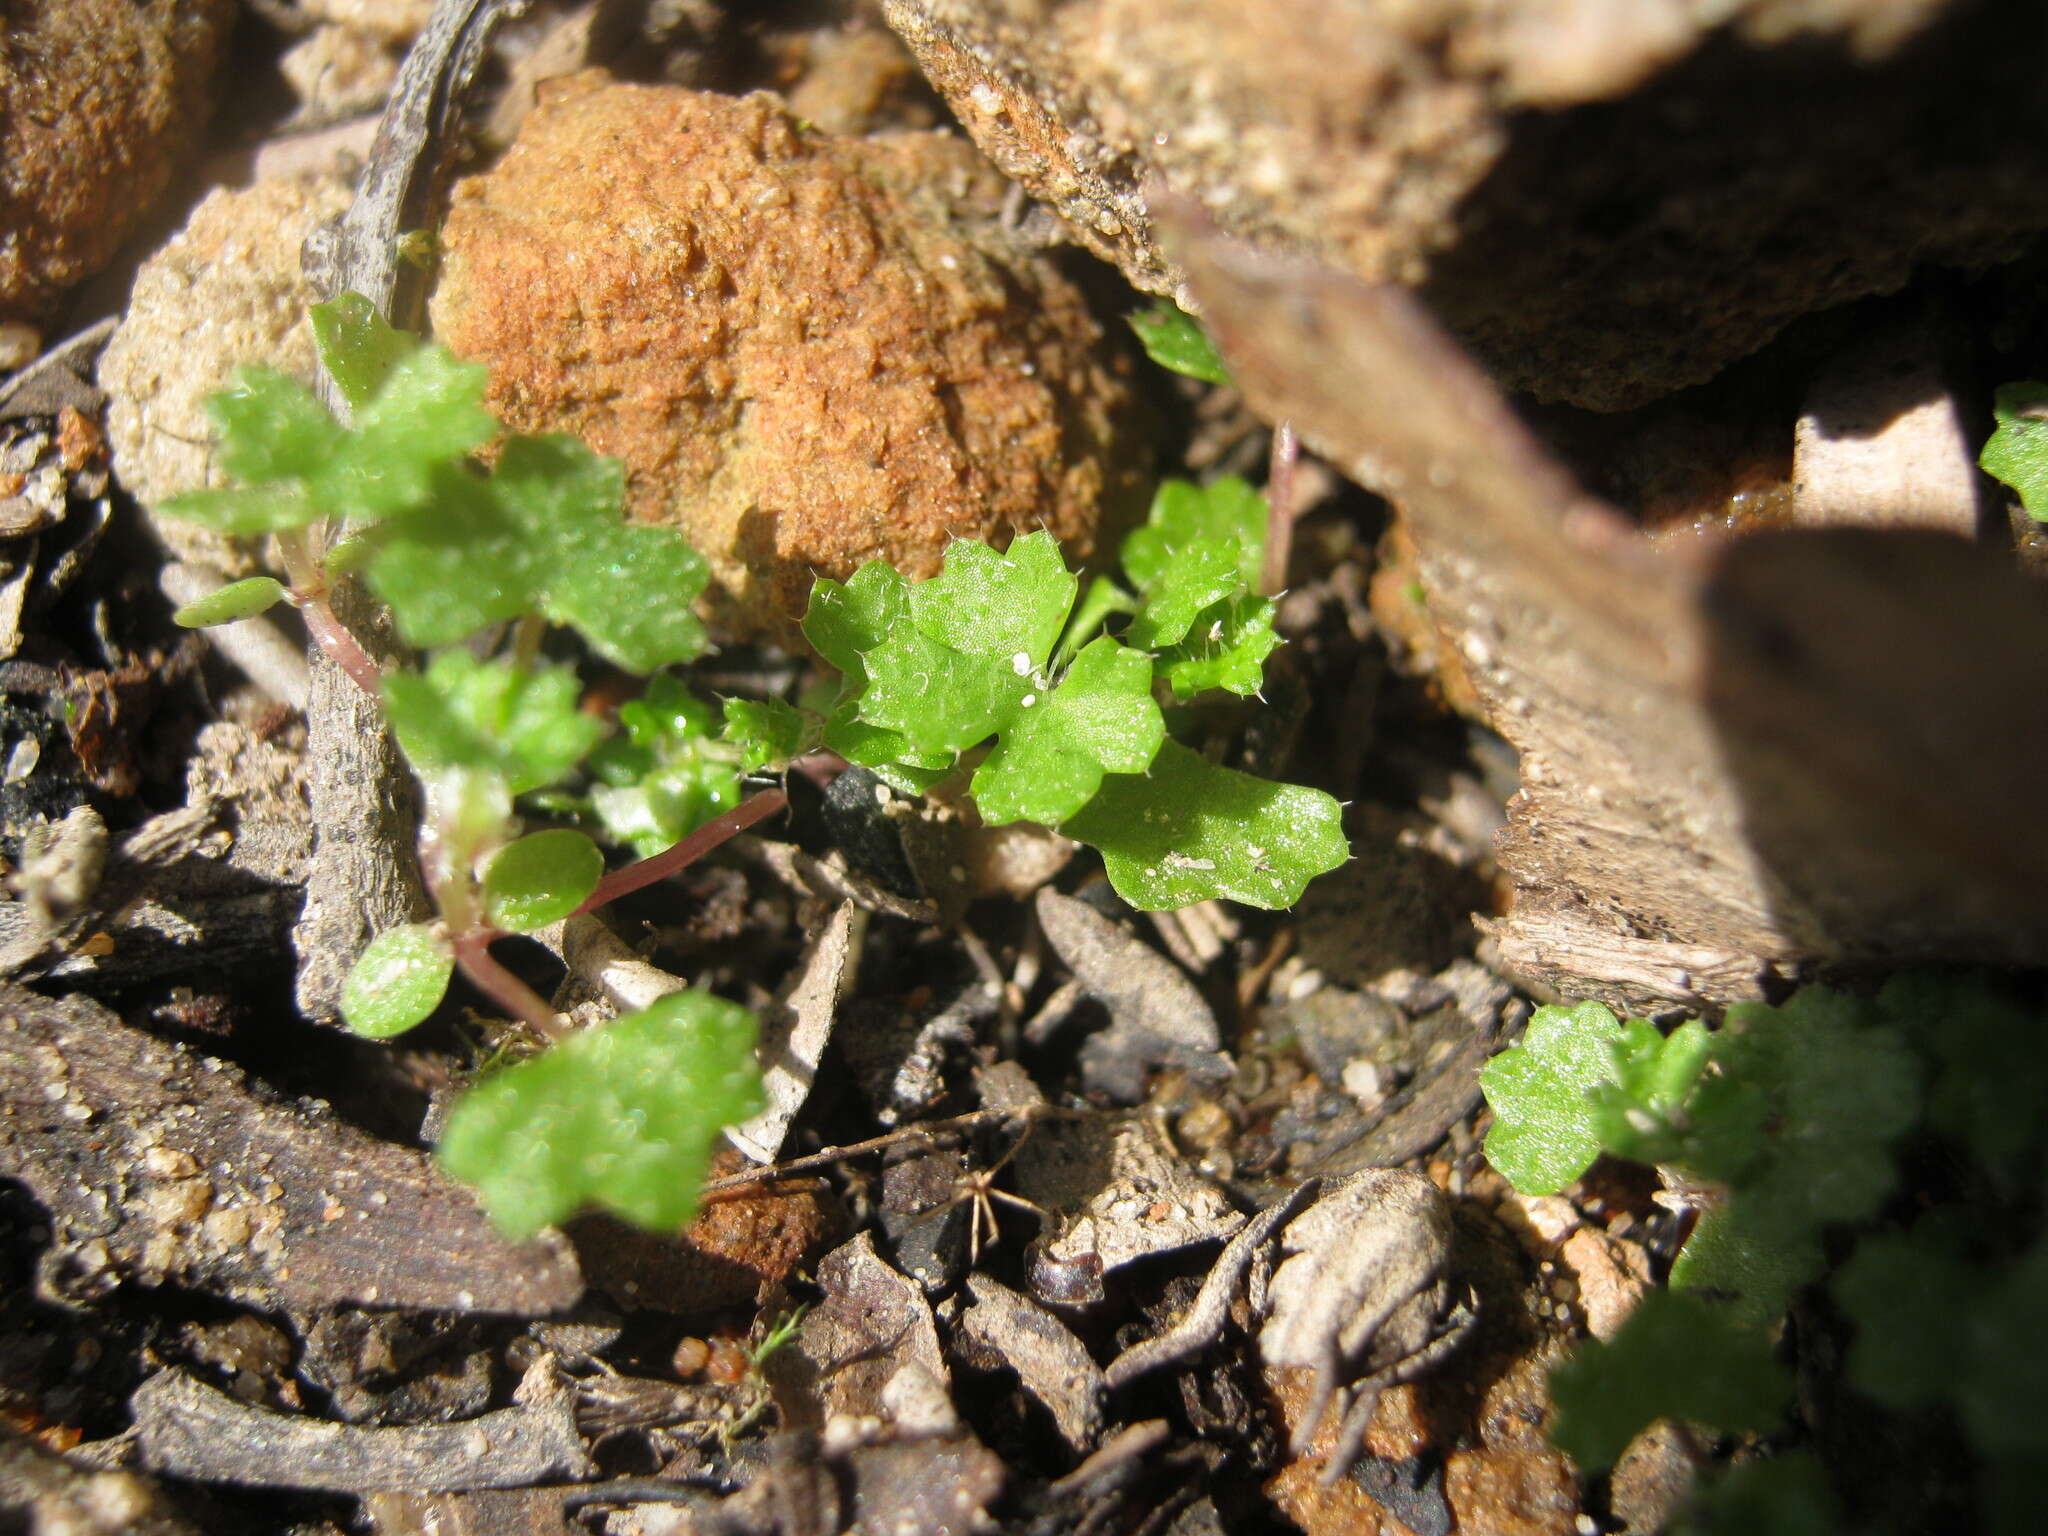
(162, 1166)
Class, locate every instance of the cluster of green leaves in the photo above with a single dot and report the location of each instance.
(1791, 1118)
(1001, 662)
(2017, 450)
(991, 666)
(452, 548)
(623, 1115)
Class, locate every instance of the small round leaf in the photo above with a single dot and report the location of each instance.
(398, 980)
(540, 879)
(236, 600)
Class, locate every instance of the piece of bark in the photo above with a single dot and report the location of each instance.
(1052, 1365)
(365, 876)
(1115, 1190)
(1422, 1117)
(872, 1323)
(165, 1167)
(481, 1512)
(796, 1031)
(1737, 754)
(171, 900)
(1201, 1325)
(189, 1430)
(1158, 1018)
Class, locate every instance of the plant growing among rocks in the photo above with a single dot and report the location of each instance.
(997, 679)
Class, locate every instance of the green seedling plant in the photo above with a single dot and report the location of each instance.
(1175, 340)
(1786, 1125)
(1002, 671)
(999, 678)
(623, 1115)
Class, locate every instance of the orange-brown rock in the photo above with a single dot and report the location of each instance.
(737, 1248)
(809, 352)
(98, 101)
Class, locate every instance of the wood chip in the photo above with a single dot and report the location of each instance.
(1158, 1016)
(1051, 1364)
(187, 1429)
(1771, 746)
(797, 1029)
(162, 1166)
(872, 1323)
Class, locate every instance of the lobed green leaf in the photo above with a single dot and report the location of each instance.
(1194, 577)
(622, 1116)
(427, 416)
(1183, 513)
(847, 620)
(955, 665)
(455, 567)
(1226, 647)
(1751, 1255)
(248, 510)
(1545, 1133)
(668, 774)
(271, 427)
(1783, 1495)
(769, 732)
(523, 726)
(1008, 604)
(1675, 1357)
(1986, 1095)
(942, 700)
(626, 589)
(1907, 1354)
(1051, 760)
(1189, 831)
(357, 348)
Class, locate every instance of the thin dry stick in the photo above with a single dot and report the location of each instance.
(1279, 509)
(1030, 1114)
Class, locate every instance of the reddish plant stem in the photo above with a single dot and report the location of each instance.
(308, 593)
(623, 882)
(515, 997)
(1279, 509)
(341, 647)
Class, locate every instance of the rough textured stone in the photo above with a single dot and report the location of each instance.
(1604, 199)
(224, 292)
(809, 352)
(396, 21)
(98, 101)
